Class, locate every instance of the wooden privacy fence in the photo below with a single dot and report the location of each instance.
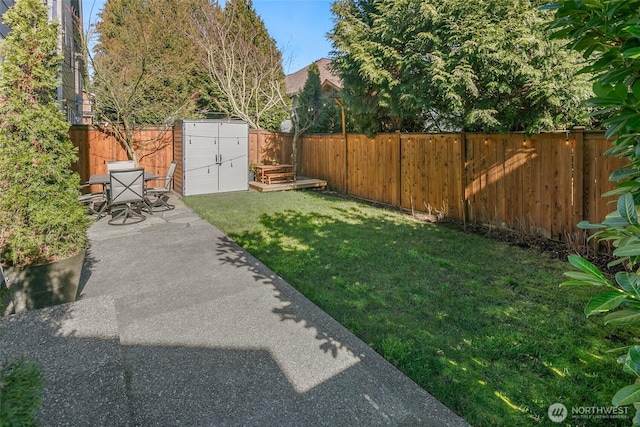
(266, 147)
(96, 147)
(544, 183)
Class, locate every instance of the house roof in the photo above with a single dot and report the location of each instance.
(295, 81)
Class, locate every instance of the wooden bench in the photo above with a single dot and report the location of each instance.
(280, 177)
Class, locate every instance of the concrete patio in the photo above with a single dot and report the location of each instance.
(178, 326)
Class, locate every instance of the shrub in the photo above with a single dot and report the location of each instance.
(40, 217)
(21, 386)
(608, 33)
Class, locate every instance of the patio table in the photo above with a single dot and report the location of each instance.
(103, 178)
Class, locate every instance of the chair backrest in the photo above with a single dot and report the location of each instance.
(120, 164)
(169, 177)
(3, 281)
(126, 186)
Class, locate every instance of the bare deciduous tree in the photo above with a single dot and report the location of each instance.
(142, 69)
(243, 63)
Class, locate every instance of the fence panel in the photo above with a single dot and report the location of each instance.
(335, 161)
(266, 147)
(312, 157)
(388, 163)
(521, 183)
(96, 147)
(482, 174)
(323, 156)
(374, 167)
(558, 179)
(431, 170)
(78, 135)
(597, 169)
(178, 153)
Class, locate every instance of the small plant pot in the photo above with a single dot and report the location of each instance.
(43, 285)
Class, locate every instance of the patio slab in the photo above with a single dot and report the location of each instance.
(78, 350)
(209, 336)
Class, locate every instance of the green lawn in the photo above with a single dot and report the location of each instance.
(481, 325)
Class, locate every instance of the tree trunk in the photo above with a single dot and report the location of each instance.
(294, 151)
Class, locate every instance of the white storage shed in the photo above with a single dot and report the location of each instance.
(212, 156)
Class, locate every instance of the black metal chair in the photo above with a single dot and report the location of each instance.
(161, 194)
(114, 165)
(6, 303)
(96, 203)
(126, 196)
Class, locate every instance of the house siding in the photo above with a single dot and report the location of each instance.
(66, 13)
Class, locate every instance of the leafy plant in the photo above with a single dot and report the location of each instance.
(254, 166)
(21, 386)
(40, 217)
(607, 32)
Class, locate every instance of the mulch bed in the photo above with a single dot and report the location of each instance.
(552, 248)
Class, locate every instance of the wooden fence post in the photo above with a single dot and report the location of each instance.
(400, 155)
(346, 162)
(579, 198)
(464, 177)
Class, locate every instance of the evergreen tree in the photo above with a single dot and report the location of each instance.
(144, 67)
(454, 64)
(308, 103)
(329, 120)
(314, 109)
(40, 217)
(360, 65)
(306, 109)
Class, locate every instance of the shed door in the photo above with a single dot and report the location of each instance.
(234, 157)
(200, 158)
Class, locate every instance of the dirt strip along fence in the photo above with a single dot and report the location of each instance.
(542, 183)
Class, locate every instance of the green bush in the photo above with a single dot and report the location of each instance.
(607, 32)
(21, 386)
(40, 217)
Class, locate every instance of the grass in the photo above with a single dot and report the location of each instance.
(481, 325)
(21, 392)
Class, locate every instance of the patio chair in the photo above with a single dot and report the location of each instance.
(120, 164)
(161, 194)
(4, 283)
(115, 165)
(126, 195)
(96, 203)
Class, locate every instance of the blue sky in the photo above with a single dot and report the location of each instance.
(299, 27)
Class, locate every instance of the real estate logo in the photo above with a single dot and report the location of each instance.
(557, 412)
